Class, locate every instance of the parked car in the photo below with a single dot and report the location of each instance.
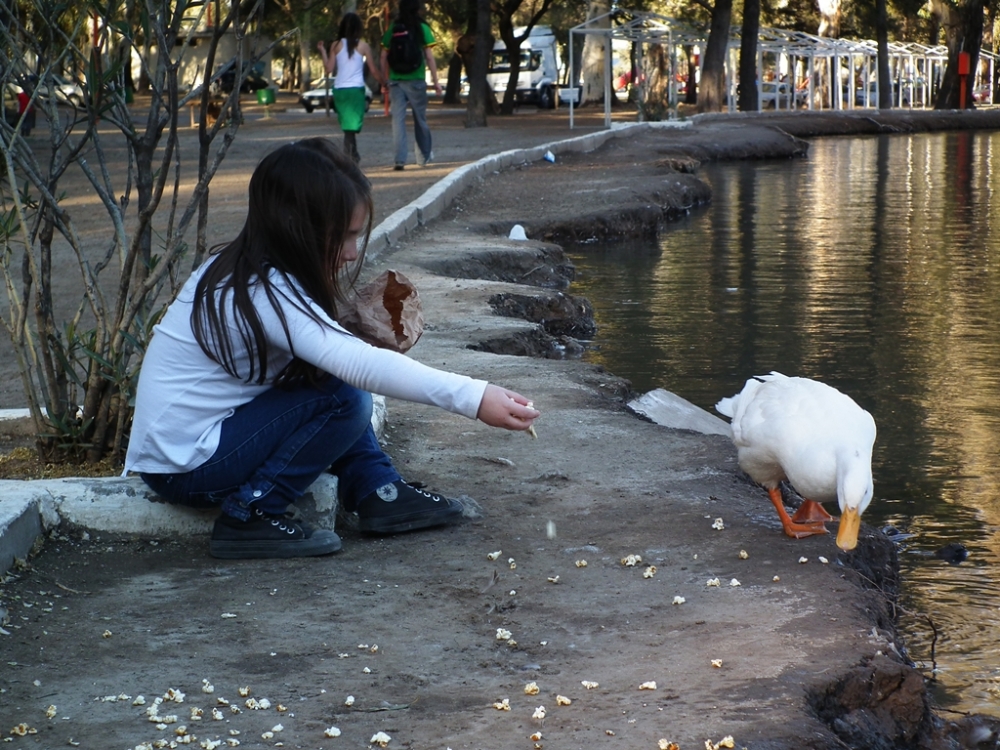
(321, 98)
(66, 91)
(10, 113)
(871, 100)
(253, 81)
(780, 95)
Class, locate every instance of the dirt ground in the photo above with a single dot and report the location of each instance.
(430, 637)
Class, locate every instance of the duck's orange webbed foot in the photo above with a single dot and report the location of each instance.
(811, 512)
(791, 527)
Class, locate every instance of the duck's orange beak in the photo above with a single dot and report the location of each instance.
(847, 533)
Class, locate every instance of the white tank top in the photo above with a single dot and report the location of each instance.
(350, 70)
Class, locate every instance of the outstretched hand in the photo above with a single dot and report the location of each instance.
(503, 408)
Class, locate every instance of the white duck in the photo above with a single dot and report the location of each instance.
(815, 437)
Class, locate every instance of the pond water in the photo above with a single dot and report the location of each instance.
(873, 265)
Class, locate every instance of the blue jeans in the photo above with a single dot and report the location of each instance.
(413, 93)
(274, 447)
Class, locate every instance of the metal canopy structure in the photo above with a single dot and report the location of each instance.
(640, 28)
(794, 69)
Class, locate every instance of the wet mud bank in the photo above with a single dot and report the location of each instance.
(632, 188)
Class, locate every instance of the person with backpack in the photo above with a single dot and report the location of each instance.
(406, 56)
(347, 59)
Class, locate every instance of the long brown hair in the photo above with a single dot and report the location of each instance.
(303, 197)
(350, 30)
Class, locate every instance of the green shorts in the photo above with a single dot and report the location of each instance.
(350, 106)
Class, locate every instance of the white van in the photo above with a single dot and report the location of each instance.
(539, 75)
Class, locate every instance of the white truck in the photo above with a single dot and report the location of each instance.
(539, 76)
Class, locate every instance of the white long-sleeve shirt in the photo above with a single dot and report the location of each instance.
(184, 396)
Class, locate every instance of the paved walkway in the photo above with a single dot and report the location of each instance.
(454, 144)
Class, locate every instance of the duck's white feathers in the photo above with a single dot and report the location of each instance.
(804, 431)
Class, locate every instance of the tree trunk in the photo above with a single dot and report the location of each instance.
(305, 43)
(940, 17)
(885, 87)
(453, 87)
(691, 87)
(475, 111)
(748, 56)
(829, 24)
(592, 59)
(656, 88)
(712, 96)
(963, 33)
(513, 45)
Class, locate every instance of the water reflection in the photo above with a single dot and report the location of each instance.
(874, 266)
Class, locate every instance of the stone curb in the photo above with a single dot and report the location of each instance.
(125, 505)
(440, 195)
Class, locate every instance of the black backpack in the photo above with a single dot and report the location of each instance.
(406, 51)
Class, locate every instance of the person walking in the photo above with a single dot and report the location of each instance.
(25, 112)
(250, 388)
(347, 60)
(406, 57)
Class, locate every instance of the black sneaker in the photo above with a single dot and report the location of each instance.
(398, 167)
(264, 535)
(399, 506)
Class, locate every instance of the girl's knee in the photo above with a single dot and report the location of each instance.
(349, 404)
(362, 406)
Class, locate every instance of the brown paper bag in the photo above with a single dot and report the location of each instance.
(385, 313)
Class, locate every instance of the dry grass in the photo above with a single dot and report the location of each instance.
(23, 462)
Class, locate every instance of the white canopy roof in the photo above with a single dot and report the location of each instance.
(916, 68)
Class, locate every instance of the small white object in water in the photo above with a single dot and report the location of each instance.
(517, 233)
(550, 157)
